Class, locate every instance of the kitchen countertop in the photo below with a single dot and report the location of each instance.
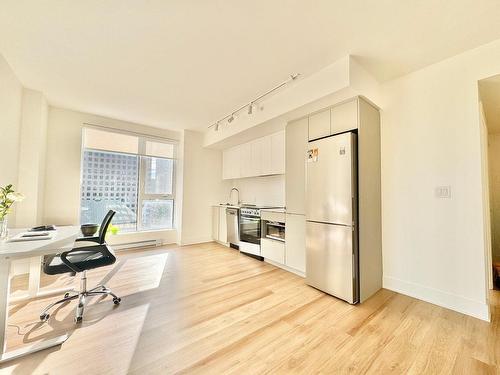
(278, 210)
(225, 205)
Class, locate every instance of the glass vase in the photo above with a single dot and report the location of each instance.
(3, 229)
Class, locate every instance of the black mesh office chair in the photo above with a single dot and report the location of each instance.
(88, 253)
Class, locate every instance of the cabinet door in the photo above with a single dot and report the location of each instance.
(226, 164)
(245, 160)
(273, 250)
(319, 124)
(344, 117)
(267, 166)
(215, 223)
(256, 157)
(278, 153)
(222, 225)
(235, 162)
(295, 173)
(295, 242)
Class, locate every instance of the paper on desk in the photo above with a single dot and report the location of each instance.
(30, 236)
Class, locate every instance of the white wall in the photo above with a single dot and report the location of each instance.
(32, 152)
(10, 124)
(202, 187)
(434, 249)
(267, 190)
(63, 160)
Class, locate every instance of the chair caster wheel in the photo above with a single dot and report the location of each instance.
(66, 295)
(78, 319)
(44, 317)
(117, 301)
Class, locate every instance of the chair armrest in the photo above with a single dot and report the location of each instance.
(82, 243)
(70, 265)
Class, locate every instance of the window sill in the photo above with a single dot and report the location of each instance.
(139, 232)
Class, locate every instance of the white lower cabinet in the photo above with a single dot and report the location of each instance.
(273, 250)
(295, 242)
(222, 225)
(215, 223)
(219, 226)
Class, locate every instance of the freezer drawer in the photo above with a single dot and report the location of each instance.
(331, 262)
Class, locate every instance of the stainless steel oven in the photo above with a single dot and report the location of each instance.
(273, 230)
(250, 230)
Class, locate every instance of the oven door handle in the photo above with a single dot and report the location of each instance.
(250, 218)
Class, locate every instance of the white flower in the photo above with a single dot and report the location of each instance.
(15, 197)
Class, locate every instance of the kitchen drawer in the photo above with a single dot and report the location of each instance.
(272, 216)
(273, 250)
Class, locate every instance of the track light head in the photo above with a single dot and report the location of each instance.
(250, 109)
(217, 126)
(231, 118)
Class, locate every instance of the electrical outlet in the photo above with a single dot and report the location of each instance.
(443, 192)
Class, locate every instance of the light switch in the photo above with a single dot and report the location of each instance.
(443, 192)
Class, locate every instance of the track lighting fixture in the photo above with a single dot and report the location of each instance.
(231, 117)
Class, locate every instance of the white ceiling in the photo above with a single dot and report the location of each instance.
(490, 96)
(183, 64)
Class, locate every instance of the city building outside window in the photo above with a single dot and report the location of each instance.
(130, 174)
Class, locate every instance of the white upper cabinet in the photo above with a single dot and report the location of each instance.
(256, 148)
(230, 163)
(344, 117)
(278, 153)
(260, 157)
(267, 165)
(319, 124)
(226, 165)
(246, 160)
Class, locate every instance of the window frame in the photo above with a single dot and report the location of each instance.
(143, 196)
(141, 177)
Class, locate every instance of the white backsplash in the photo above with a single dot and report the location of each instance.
(267, 191)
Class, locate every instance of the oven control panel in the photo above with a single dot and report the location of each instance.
(245, 211)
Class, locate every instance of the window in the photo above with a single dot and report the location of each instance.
(129, 174)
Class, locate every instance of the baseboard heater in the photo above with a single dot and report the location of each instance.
(132, 245)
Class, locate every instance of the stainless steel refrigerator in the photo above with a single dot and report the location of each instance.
(331, 216)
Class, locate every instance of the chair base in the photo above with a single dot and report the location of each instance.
(82, 296)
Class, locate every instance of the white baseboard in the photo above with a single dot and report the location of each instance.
(286, 268)
(438, 297)
(195, 240)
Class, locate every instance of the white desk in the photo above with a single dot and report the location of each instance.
(63, 238)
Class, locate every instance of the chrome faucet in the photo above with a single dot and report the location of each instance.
(231, 193)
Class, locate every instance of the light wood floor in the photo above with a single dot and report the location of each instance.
(206, 309)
